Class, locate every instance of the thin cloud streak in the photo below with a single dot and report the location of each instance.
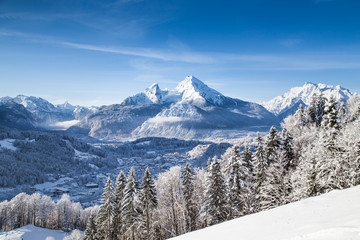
(189, 57)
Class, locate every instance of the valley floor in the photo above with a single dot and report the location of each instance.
(331, 216)
(30, 232)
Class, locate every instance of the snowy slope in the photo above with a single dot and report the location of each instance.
(332, 216)
(296, 95)
(30, 232)
(191, 110)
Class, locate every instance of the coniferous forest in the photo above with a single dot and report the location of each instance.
(316, 150)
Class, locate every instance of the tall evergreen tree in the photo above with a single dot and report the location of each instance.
(106, 212)
(147, 200)
(215, 207)
(247, 176)
(272, 144)
(287, 151)
(119, 195)
(259, 169)
(188, 194)
(320, 108)
(130, 213)
(311, 110)
(235, 184)
(90, 231)
(273, 192)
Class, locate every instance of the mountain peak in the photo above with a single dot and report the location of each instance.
(195, 91)
(154, 93)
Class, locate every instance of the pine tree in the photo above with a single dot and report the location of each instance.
(188, 194)
(247, 176)
(273, 192)
(300, 116)
(130, 214)
(147, 200)
(311, 110)
(215, 207)
(259, 169)
(272, 144)
(235, 185)
(287, 151)
(106, 213)
(320, 109)
(90, 231)
(119, 195)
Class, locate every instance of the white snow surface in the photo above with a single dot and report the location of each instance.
(8, 144)
(331, 216)
(282, 103)
(30, 232)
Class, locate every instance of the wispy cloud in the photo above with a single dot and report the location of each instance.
(190, 57)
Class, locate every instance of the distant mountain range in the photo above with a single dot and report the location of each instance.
(190, 111)
(287, 104)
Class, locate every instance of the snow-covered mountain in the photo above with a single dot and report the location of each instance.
(288, 103)
(45, 113)
(331, 216)
(191, 110)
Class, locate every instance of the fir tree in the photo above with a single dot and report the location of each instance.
(300, 116)
(247, 179)
(215, 207)
(90, 231)
(273, 192)
(147, 200)
(259, 169)
(106, 212)
(320, 109)
(130, 214)
(235, 184)
(188, 193)
(311, 110)
(272, 144)
(119, 195)
(287, 152)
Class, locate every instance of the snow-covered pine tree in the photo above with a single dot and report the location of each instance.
(119, 195)
(188, 194)
(272, 144)
(311, 110)
(328, 162)
(215, 207)
(259, 169)
(235, 184)
(106, 213)
(273, 192)
(129, 211)
(287, 152)
(247, 176)
(320, 109)
(300, 116)
(147, 201)
(90, 231)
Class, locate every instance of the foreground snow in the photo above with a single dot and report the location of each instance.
(30, 232)
(332, 216)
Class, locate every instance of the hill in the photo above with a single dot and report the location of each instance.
(331, 216)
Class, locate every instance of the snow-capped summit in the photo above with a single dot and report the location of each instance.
(65, 105)
(154, 93)
(289, 102)
(196, 92)
(189, 91)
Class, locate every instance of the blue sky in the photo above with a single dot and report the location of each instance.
(99, 52)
